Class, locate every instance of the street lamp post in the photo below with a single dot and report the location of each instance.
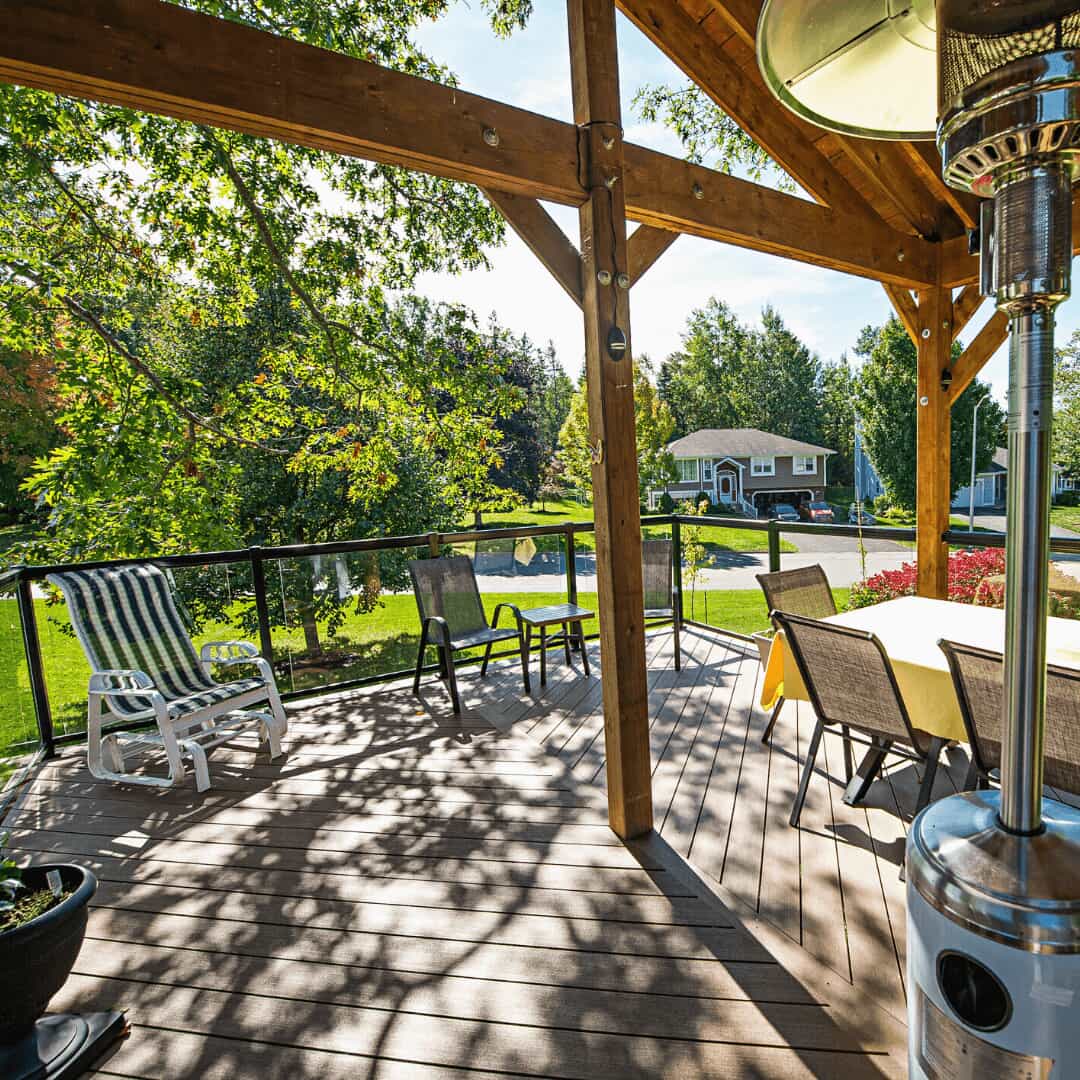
(971, 486)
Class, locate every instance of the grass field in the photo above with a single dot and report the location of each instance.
(1067, 517)
(374, 643)
(715, 537)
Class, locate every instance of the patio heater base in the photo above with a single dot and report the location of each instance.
(61, 1045)
(993, 943)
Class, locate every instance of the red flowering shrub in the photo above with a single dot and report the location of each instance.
(968, 571)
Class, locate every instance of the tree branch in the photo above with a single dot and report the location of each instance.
(88, 318)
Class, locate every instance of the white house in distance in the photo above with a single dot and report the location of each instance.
(991, 485)
(746, 469)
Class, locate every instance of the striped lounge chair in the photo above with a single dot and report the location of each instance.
(145, 668)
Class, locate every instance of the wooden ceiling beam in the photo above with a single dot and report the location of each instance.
(926, 160)
(544, 238)
(674, 194)
(967, 302)
(972, 360)
(906, 309)
(679, 36)
(161, 58)
(644, 246)
(884, 164)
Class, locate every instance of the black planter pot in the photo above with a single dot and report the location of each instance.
(36, 958)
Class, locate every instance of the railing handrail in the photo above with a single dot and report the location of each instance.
(37, 572)
(1059, 545)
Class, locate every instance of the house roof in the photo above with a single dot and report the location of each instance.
(740, 442)
(1000, 462)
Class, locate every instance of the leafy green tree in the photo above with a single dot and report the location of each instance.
(553, 389)
(697, 382)
(837, 419)
(709, 136)
(1067, 405)
(887, 384)
(28, 408)
(655, 427)
(120, 231)
(731, 375)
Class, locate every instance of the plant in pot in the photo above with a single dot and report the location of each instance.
(42, 925)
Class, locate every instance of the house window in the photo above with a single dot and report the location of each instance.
(706, 471)
(686, 470)
(805, 465)
(762, 466)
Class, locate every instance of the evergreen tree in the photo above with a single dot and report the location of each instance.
(728, 375)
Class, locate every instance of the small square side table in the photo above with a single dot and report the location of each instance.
(570, 617)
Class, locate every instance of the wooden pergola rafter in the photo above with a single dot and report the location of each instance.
(875, 209)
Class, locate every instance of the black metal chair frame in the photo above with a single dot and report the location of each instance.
(765, 581)
(879, 747)
(656, 616)
(446, 646)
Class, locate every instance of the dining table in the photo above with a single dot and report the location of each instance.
(910, 628)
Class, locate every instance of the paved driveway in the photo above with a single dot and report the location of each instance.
(995, 519)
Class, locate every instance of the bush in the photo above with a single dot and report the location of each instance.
(1068, 498)
(666, 504)
(706, 498)
(968, 571)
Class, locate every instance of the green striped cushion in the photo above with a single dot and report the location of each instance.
(126, 618)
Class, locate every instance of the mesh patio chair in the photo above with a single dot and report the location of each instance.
(452, 617)
(145, 668)
(852, 686)
(979, 681)
(803, 591)
(658, 579)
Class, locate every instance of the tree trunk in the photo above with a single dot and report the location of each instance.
(312, 643)
(478, 519)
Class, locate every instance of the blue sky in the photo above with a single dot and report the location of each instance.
(532, 70)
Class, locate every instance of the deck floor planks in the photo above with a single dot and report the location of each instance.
(780, 898)
(421, 911)
(722, 800)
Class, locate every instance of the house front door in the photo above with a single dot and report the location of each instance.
(725, 487)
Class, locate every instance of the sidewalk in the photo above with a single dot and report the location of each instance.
(732, 570)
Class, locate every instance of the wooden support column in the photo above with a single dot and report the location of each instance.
(610, 378)
(932, 485)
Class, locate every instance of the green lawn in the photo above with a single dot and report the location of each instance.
(716, 537)
(1066, 517)
(375, 643)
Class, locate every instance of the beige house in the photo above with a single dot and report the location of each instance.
(746, 469)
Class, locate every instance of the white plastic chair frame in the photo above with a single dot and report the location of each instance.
(183, 735)
(188, 736)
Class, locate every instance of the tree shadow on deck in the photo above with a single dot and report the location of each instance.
(387, 902)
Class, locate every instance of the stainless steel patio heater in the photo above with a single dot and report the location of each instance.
(993, 877)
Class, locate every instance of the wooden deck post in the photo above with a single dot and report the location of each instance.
(933, 486)
(609, 374)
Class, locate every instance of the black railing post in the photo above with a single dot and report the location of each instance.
(262, 608)
(676, 565)
(571, 567)
(774, 546)
(32, 645)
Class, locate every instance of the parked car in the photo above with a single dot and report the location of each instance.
(820, 513)
(860, 517)
(783, 512)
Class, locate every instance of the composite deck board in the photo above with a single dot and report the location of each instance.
(410, 894)
(722, 798)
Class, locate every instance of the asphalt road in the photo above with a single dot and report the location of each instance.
(995, 519)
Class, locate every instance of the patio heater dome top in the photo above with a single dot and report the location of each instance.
(866, 68)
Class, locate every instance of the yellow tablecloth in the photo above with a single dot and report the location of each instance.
(910, 628)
